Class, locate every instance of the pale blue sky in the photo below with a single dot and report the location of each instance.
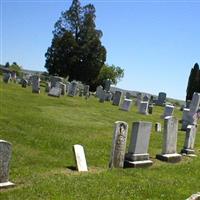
(156, 42)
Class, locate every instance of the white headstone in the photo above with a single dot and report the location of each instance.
(143, 109)
(126, 105)
(55, 92)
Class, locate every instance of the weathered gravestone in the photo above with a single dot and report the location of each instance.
(169, 109)
(119, 145)
(145, 98)
(54, 80)
(143, 109)
(98, 91)
(5, 156)
(80, 158)
(138, 100)
(55, 92)
(102, 96)
(126, 105)
(86, 90)
(6, 77)
(169, 153)
(161, 99)
(35, 84)
(108, 96)
(188, 147)
(137, 155)
(73, 89)
(150, 108)
(185, 119)
(158, 127)
(117, 98)
(62, 87)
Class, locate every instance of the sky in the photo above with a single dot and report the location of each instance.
(155, 42)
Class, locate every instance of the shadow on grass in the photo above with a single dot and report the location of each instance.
(73, 168)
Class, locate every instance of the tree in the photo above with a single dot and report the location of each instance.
(16, 68)
(76, 50)
(7, 65)
(193, 82)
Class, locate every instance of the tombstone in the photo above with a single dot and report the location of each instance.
(99, 89)
(24, 83)
(128, 95)
(108, 96)
(54, 80)
(117, 98)
(185, 119)
(6, 77)
(118, 145)
(35, 84)
(145, 98)
(151, 100)
(169, 109)
(137, 155)
(62, 87)
(138, 100)
(73, 89)
(158, 127)
(86, 90)
(67, 86)
(150, 108)
(55, 92)
(47, 86)
(107, 85)
(188, 147)
(169, 153)
(80, 158)
(126, 105)
(102, 96)
(5, 156)
(143, 109)
(161, 99)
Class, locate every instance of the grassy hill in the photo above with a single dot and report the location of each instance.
(42, 130)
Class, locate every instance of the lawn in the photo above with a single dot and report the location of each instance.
(42, 130)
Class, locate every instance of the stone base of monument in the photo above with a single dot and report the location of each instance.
(172, 158)
(187, 151)
(6, 184)
(137, 160)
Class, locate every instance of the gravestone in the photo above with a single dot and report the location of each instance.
(188, 147)
(137, 155)
(128, 95)
(158, 127)
(118, 145)
(150, 108)
(143, 109)
(55, 92)
(54, 80)
(145, 98)
(138, 100)
(35, 84)
(5, 156)
(185, 119)
(126, 105)
(80, 158)
(86, 90)
(117, 98)
(67, 86)
(169, 153)
(99, 89)
(62, 87)
(169, 109)
(108, 96)
(6, 77)
(102, 96)
(47, 86)
(161, 99)
(73, 89)
(24, 83)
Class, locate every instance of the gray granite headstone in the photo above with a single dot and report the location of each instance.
(137, 155)
(143, 109)
(185, 119)
(119, 145)
(169, 109)
(161, 99)
(117, 98)
(102, 96)
(145, 98)
(5, 156)
(126, 105)
(99, 89)
(62, 87)
(73, 89)
(35, 84)
(55, 92)
(86, 90)
(138, 100)
(54, 80)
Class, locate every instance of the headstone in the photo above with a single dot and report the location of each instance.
(54, 80)
(55, 92)
(86, 90)
(62, 87)
(107, 85)
(137, 155)
(150, 108)
(108, 96)
(5, 156)
(158, 127)
(35, 84)
(138, 100)
(119, 145)
(73, 89)
(102, 96)
(47, 87)
(126, 105)
(80, 158)
(117, 98)
(185, 119)
(6, 77)
(67, 86)
(99, 89)
(24, 83)
(145, 98)
(188, 147)
(169, 109)
(143, 107)
(128, 95)
(161, 99)
(169, 153)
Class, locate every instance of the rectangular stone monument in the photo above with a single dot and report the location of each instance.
(99, 89)
(169, 153)
(150, 109)
(62, 87)
(35, 84)
(169, 109)
(102, 96)
(188, 147)
(128, 95)
(185, 119)
(161, 99)
(138, 100)
(5, 156)
(117, 98)
(143, 109)
(86, 90)
(158, 127)
(54, 80)
(137, 155)
(118, 145)
(55, 92)
(80, 158)
(73, 89)
(126, 105)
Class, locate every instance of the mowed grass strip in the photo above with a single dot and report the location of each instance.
(42, 130)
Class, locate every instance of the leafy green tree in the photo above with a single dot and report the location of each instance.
(7, 65)
(16, 68)
(76, 50)
(193, 82)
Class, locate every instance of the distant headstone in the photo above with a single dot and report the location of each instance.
(185, 119)
(150, 108)
(86, 90)
(6, 77)
(108, 96)
(188, 147)
(161, 99)
(102, 96)
(128, 95)
(62, 87)
(158, 127)
(73, 89)
(145, 98)
(55, 92)
(143, 109)
(35, 84)
(117, 98)
(5, 156)
(137, 155)
(54, 80)
(138, 100)
(126, 105)
(119, 145)
(24, 83)
(80, 158)
(169, 153)
(99, 89)
(169, 109)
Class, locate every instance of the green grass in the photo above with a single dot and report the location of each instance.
(42, 130)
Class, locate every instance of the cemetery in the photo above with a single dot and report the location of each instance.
(69, 143)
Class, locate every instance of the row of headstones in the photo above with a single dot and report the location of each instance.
(9, 76)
